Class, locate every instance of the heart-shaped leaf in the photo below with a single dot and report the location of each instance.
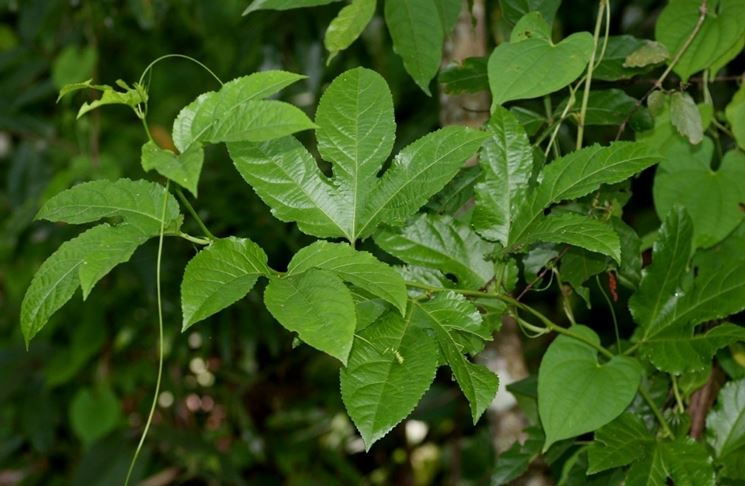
(535, 67)
(576, 394)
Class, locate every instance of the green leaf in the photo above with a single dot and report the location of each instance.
(735, 113)
(356, 133)
(183, 169)
(283, 4)
(619, 443)
(237, 112)
(569, 374)
(649, 53)
(712, 198)
(631, 261)
(478, 383)
(441, 243)
(531, 26)
(418, 172)
(578, 174)
(725, 427)
(606, 107)
(577, 230)
(612, 66)
(679, 350)
(506, 165)
(721, 30)
(417, 34)
(577, 266)
(392, 364)
(684, 460)
(514, 10)
(94, 413)
(514, 462)
(101, 248)
(535, 67)
(449, 11)
(455, 196)
(285, 176)
(318, 306)
(686, 118)
(348, 25)
(139, 203)
(131, 96)
(661, 281)
(219, 276)
(470, 76)
(358, 268)
(459, 318)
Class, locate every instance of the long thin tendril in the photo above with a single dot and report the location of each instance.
(180, 56)
(160, 337)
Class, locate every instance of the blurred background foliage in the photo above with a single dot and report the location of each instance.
(238, 405)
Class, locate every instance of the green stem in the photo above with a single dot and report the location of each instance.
(194, 215)
(612, 313)
(180, 56)
(657, 413)
(676, 392)
(516, 303)
(160, 337)
(193, 239)
(588, 78)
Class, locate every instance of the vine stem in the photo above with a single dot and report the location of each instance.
(516, 303)
(588, 78)
(179, 56)
(656, 411)
(703, 10)
(194, 214)
(160, 337)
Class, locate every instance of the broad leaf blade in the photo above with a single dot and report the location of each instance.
(618, 443)
(348, 25)
(318, 306)
(418, 172)
(359, 268)
(725, 425)
(576, 394)
(506, 165)
(183, 169)
(220, 275)
(391, 365)
(417, 34)
(139, 203)
(356, 133)
(441, 243)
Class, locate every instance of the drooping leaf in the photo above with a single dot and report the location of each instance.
(238, 112)
(356, 267)
(535, 67)
(348, 25)
(220, 275)
(686, 118)
(183, 169)
(514, 10)
(417, 34)
(130, 96)
(318, 306)
(139, 203)
(355, 134)
(506, 165)
(661, 281)
(612, 66)
(649, 53)
(712, 198)
(392, 364)
(283, 4)
(721, 30)
(449, 11)
(630, 270)
(725, 428)
(619, 443)
(59, 276)
(735, 112)
(94, 413)
(470, 76)
(577, 266)
(478, 383)
(577, 230)
(579, 173)
(441, 243)
(576, 394)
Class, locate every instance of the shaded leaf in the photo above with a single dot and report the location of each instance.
(470, 76)
(94, 413)
(359, 268)
(514, 10)
(686, 118)
(318, 306)
(735, 113)
(619, 443)
(612, 66)
(392, 364)
(348, 25)
(219, 276)
(283, 4)
(725, 427)
(649, 53)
